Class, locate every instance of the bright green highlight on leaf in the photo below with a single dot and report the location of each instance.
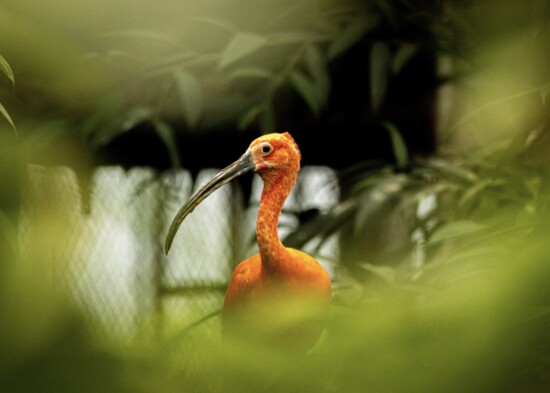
(6, 70)
(7, 116)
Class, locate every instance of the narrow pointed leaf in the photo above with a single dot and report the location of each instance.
(190, 91)
(350, 35)
(402, 57)
(6, 70)
(251, 72)
(248, 117)
(399, 147)
(166, 135)
(307, 90)
(386, 273)
(241, 45)
(455, 230)
(317, 68)
(7, 116)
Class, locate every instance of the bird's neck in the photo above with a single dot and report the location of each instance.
(277, 187)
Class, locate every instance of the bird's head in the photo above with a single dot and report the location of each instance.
(270, 156)
(274, 152)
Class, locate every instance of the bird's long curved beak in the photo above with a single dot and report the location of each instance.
(239, 167)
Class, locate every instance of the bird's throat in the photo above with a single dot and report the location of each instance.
(274, 194)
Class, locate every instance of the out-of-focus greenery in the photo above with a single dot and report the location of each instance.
(470, 314)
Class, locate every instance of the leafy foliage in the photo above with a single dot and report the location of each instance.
(454, 286)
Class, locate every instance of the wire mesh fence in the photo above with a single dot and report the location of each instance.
(112, 259)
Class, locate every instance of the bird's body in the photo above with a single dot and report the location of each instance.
(278, 282)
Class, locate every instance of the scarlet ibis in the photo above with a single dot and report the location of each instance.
(285, 278)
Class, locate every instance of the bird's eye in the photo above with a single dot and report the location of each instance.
(266, 148)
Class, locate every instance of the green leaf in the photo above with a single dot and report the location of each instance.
(6, 70)
(317, 68)
(166, 134)
(7, 116)
(307, 90)
(190, 92)
(241, 45)
(249, 116)
(386, 273)
(402, 57)
(251, 72)
(135, 116)
(350, 35)
(399, 147)
(454, 230)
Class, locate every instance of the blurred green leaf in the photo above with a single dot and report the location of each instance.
(135, 116)
(7, 116)
(249, 116)
(167, 136)
(317, 67)
(241, 45)
(386, 273)
(472, 194)
(251, 72)
(454, 230)
(6, 70)
(402, 56)
(307, 90)
(399, 147)
(190, 92)
(350, 35)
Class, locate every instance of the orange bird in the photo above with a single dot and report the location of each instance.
(281, 295)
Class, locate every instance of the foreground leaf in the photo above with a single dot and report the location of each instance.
(317, 67)
(351, 34)
(249, 116)
(7, 116)
(251, 72)
(454, 230)
(307, 90)
(190, 92)
(6, 70)
(166, 135)
(399, 147)
(241, 45)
